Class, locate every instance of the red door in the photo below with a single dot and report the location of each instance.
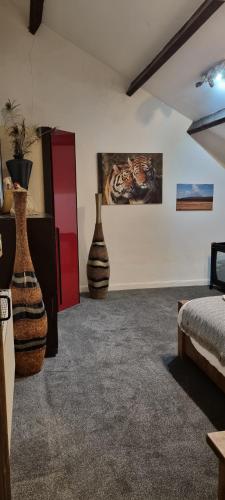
(65, 208)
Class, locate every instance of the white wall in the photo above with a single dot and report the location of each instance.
(58, 84)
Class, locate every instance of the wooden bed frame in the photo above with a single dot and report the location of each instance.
(187, 349)
(216, 440)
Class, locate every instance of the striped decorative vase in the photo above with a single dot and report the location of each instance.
(29, 315)
(98, 269)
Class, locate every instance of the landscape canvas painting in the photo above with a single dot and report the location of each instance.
(130, 178)
(195, 196)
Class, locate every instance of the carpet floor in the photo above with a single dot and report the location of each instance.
(116, 415)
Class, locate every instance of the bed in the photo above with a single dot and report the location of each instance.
(210, 360)
(207, 317)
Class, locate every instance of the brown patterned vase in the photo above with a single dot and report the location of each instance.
(29, 315)
(98, 269)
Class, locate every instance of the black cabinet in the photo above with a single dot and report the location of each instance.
(41, 235)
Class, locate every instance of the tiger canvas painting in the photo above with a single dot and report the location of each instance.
(130, 178)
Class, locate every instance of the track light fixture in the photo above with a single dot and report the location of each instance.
(215, 75)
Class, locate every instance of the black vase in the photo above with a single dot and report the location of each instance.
(20, 171)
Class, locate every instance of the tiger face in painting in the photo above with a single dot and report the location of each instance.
(146, 189)
(142, 171)
(119, 185)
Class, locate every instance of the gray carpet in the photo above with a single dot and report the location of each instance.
(116, 415)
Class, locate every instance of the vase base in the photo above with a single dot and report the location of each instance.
(29, 363)
(98, 294)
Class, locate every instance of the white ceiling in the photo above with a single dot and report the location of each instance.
(220, 131)
(124, 34)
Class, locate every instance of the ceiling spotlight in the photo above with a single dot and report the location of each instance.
(218, 77)
(221, 84)
(214, 75)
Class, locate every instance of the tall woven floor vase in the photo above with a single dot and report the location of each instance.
(29, 315)
(98, 269)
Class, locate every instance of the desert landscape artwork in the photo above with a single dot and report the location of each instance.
(195, 196)
(130, 178)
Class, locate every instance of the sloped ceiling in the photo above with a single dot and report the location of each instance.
(213, 140)
(127, 34)
(175, 82)
(124, 34)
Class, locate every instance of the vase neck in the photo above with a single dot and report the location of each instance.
(98, 200)
(23, 260)
(18, 157)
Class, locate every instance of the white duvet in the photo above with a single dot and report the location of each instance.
(204, 320)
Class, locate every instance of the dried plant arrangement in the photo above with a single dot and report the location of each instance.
(21, 136)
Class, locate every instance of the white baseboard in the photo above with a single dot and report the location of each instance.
(151, 284)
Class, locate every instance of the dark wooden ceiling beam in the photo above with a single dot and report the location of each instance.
(200, 16)
(206, 122)
(36, 11)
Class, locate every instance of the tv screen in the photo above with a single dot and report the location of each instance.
(217, 274)
(220, 266)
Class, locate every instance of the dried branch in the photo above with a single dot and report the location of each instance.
(21, 136)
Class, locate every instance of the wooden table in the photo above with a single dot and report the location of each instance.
(216, 441)
(7, 377)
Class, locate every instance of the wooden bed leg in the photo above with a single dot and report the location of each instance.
(181, 343)
(216, 441)
(180, 304)
(181, 336)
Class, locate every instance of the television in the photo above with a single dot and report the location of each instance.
(217, 274)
